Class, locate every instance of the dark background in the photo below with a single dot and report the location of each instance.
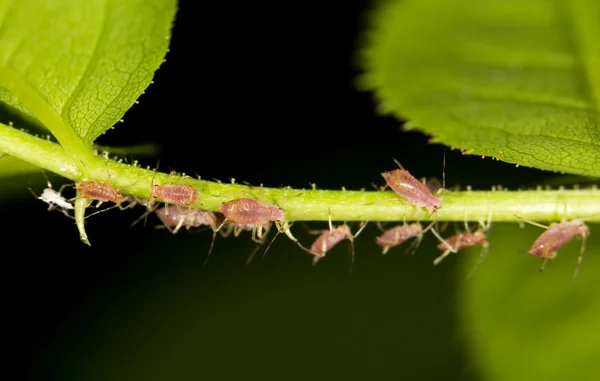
(263, 94)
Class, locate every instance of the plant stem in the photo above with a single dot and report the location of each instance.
(316, 205)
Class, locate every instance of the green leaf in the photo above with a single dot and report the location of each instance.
(515, 80)
(84, 61)
(521, 324)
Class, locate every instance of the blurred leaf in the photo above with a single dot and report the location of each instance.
(88, 61)
(527, 325)
(516, 80)
(147, 149)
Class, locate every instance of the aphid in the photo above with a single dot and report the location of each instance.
(100, 191)
(400, 234)
(463, 240)
(414, 191)
(177, 194)
(53, 198)
(555, 237)
(173, 218)
(329, 238)
(251, 211)
(248, 211)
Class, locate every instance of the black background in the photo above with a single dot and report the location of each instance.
(262, 93)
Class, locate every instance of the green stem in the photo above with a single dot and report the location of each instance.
(315, 205)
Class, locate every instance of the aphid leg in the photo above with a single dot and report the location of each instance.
(580, 257)
(351, 239)
(449, 249)
(417, 242)
(482, 255)
(210, 248)
(488, 224)
(225, 232)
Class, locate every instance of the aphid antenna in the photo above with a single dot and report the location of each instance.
(210, 248)
(580, 257)
(482, 256)
(532, 222)
(398, 163)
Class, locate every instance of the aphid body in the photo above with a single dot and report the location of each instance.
(328, 239)
(102, 192)
(398, 235)
(178, 194)
(172, 216)
(460, 241)
(408, 187)
(54, 200)
(251, 211)
(557, 235)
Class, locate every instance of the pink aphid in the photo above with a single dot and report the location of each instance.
(460, 241)
(176, 218)
(408, 187)
(556, 236)
(178, 194)
(251, 211)
(329, 238)
(399, 234)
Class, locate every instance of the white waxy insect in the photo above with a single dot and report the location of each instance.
(54, 198)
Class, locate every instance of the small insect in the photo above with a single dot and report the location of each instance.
(463, 240)
(246, 212)
(177, 194)
(53, 198)
(176, 218)
(251, 211)
(400, 234)
(555, 237)
(99, 191)
(329, 238)
(414, 191)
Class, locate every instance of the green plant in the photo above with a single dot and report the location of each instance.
(506, 93)
(67, 93)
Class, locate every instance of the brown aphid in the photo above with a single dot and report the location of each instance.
(460, 241)
(251, 211)
(100, 191)
(328, 239)
(175, 218)
(248, 211)
(400, 234)
(178, 194)
(555, 237)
